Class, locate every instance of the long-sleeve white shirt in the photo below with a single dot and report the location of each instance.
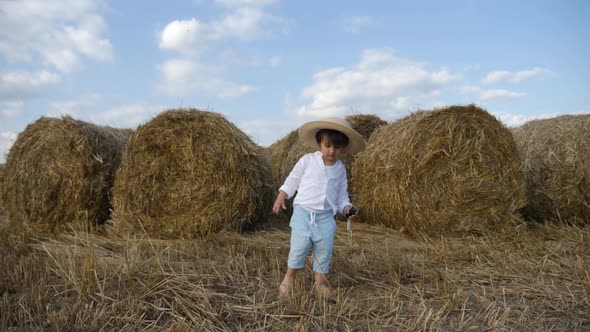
(319, 187)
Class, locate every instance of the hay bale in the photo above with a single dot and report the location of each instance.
(188, 173)
(2, 168)
(281, 157)
(286, 152)
(61, 172)
(556, 159)
(437, 172)
(364, 124)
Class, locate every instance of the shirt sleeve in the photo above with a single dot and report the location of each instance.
(342, 200)
(294, 179)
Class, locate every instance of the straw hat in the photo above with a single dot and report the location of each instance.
(307, 132)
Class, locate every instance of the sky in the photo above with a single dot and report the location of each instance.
(271, 65)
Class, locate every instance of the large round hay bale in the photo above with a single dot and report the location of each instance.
(281, 158)
(454, 169)
(61, 172)
(364, 124)
(2, 167)
(556, 159)
(188, 173)
(286, 152)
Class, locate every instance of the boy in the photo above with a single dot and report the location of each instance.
(319, 179)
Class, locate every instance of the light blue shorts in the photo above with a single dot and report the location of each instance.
(311, 231)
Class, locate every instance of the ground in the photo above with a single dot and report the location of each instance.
(528, 279)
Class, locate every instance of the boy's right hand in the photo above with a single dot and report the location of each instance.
(279, 203)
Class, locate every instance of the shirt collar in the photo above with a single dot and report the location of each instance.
(318, 157)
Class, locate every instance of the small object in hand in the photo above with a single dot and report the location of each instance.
(353, 210)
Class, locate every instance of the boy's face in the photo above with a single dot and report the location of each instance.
(330, 153)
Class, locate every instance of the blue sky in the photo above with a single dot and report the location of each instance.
(270, 65)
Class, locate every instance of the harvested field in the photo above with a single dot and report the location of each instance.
(188, 173)
(61, 173)
(447, 171)
(556, 160)
(533, 279)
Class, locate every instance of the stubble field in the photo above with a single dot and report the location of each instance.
(534, 278)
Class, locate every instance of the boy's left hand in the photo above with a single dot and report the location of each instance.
(350, 209)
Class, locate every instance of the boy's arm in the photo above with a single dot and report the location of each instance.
(279, 202)
(343, 201)
(294, 178)
(290, 186)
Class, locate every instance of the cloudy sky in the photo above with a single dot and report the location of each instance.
(270, 65)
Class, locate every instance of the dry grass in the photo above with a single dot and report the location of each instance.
(531, 279)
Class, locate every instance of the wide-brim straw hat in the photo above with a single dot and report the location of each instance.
(308, 130)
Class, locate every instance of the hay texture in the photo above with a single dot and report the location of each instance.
(286, 152)
(556, 159)
(61, 172)
(454, 169)
(2, 167)
(188, 173)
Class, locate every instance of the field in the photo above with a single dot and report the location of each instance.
(535, 278)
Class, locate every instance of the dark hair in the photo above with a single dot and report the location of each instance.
(335, 137)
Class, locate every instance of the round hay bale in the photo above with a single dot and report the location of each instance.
(61, 172)
(364, 124)
(454, 169)
(188, 173)
(2, 167)
(280, 158)
(555, 155)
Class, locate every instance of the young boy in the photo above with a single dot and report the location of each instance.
(319, 179)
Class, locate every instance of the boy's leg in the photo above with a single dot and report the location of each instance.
(287, 282)
(323, 244)
(321, 283)
(300, 246)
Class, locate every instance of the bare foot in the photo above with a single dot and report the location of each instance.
(323, 289)
(284, 289)
(322, 286)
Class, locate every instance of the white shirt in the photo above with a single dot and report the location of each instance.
(316, 184)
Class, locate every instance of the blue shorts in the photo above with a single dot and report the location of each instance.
(311, 231)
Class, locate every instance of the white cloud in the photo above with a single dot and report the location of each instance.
(469, 89)
(356, 23)
(229, 57)
(182, 77)
(189, 36)
(500, 94)
(486, 96)
(242, 3)
(18, 84)
(510, 77)
(266, 132)
(517, 120)
(7, 138)
(87, 108)
(11, 109)
(381, 83)
(126, 116)
(193, 37)
(77, 108)
(59, 33)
